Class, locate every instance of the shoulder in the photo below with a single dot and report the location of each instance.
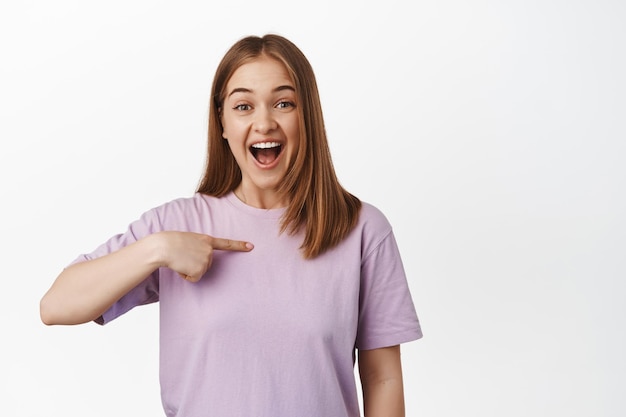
(183, 210)
(185, 204)
(373, 220)
(373, 227)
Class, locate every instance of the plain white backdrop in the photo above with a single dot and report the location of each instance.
(491, 134)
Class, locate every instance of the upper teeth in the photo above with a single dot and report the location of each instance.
(265, 145)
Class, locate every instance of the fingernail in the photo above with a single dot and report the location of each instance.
(249, 245)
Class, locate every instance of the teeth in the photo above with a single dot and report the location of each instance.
(265, 145)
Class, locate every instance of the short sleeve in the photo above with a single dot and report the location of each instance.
(387, 314)
(148, 290)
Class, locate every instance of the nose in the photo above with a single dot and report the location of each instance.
(264, 121)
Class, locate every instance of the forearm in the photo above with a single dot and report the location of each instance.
(83, 291)
(383, 398)
(381, 379)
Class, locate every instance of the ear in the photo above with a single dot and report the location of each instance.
(221, 116)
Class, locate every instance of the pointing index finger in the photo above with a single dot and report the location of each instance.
(231, 245)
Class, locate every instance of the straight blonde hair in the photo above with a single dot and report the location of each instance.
(318, 204)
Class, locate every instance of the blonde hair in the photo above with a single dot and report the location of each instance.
(318, 204)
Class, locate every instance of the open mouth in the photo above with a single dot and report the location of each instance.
(266, 152)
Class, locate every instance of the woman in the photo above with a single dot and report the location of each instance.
(271, 276)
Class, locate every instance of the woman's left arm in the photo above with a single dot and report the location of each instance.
(381, 380)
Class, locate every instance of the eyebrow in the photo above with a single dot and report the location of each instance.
(247, 90)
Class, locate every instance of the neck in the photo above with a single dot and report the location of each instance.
(263, 199)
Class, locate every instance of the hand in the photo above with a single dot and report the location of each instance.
(191, 254)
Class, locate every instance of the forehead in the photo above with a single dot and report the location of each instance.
(259, 73)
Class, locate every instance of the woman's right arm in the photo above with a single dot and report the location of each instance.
(85, 290)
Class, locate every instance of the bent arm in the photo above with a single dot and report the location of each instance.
(84, 291)
(381, 379)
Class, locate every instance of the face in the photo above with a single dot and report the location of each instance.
(261, 123)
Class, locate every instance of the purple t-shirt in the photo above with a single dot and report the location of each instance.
(268, 333)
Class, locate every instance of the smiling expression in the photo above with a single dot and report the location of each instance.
(261, 124)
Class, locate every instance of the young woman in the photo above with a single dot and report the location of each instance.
(271, 277)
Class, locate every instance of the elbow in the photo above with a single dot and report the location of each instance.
(63, 305)
(53, 312)
(45, 314)
(47, 311)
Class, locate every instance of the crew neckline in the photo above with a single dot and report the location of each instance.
(254, 211)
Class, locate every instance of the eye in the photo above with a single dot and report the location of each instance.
(285, 104)
(242, 107)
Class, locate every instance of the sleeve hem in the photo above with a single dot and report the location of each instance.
(390, 340)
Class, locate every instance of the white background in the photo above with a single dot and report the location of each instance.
(491, 134)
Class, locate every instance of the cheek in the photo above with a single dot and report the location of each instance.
(229, 134)
(293, 130)
(237, 126)
(294, 145)
(230, 129)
